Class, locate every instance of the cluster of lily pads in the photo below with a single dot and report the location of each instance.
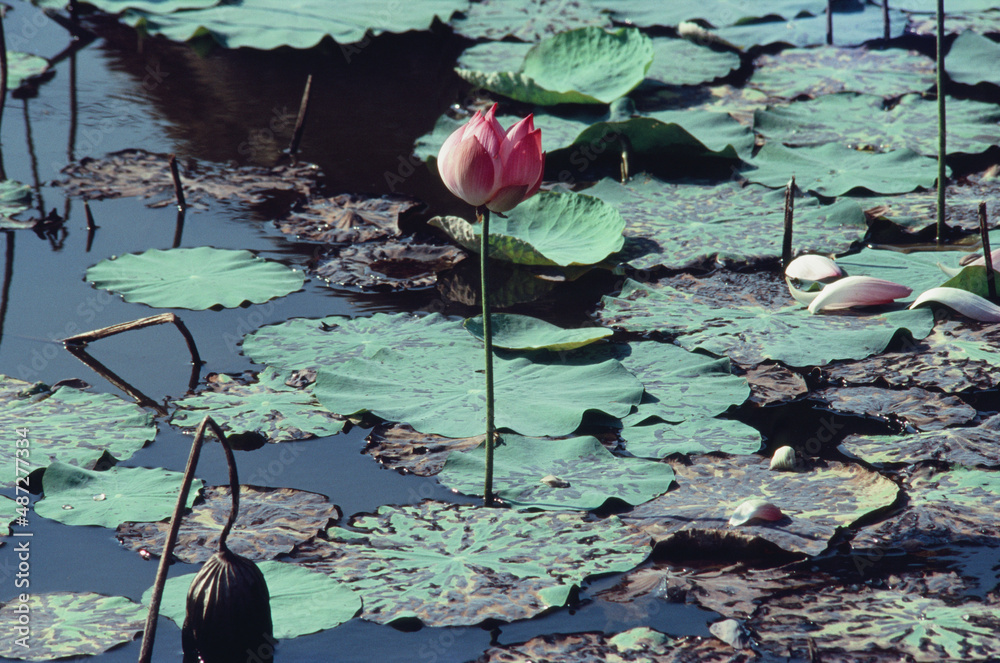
(644, 413)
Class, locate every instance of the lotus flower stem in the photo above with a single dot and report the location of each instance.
(484, 271)
(886, 27)
(300, 120)
(942, 128)
(991, 286)
(626, 155)
(3, 69)
(786, 241)
(178, 189)
(829, 22)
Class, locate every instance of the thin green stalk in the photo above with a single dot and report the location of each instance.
(942, 129)
(484, 272)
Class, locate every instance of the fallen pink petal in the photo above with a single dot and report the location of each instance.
(852, 291)
(967, 303)
(813, 267)
(755, 509)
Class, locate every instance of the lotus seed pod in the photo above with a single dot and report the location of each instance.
(783, 459)
(228, 613)
(755, 508)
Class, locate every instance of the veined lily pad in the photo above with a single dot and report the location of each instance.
(14, 199)
(197, 279)
(272, 521)
(65, 624)
(816, 503)
(575, 473)
(269, 24)
(526, 20)
(588, 65)
(302, 601)
(972, 446)
(75, 496)
(346, 219)
(833, 169)
(751, 334)
(692, 223)
(54, 420)
(395, 264)
(268, 406)
(923, 409)
(968, 60)
(449, 565)
(523, 332)
(547, 229)
(691, 436)
(681, 62)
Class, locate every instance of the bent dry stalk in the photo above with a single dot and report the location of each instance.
(484, 281)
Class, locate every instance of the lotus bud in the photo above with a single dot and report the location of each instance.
(783, 459)
(753, 509)
(967, 303)
(857, 291)
(228, 612)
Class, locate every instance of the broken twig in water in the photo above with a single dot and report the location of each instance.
(300, 120)
(161, 319)
(991, 287)
(786, 240)
(178, 189)
(115, 379)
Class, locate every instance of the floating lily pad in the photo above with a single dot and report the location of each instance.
(65, 624)
(526, 20)
(75, 496)
(269, 24)
(268, 406)
(346, 219)
(772, 383)
(850, 28)
(923, 409)
(302, 601)
(956, 506)
(691, 436)
(54, 420)
(272, 521)
(917, 270)
(23, 67)
(972, 446)
(394, 264)
(681, 62)
(523, 332)
(973, 279)
(547, 229)
(147, 175)
(588, 65)
(918, 209)
(751, 334)
(576, 473)
(969, 60)
(689, 224)
(875, 620)
(449, 564)
(644, 13)
(833, 169)
(14, 199)
(118, 6)
(196, 279)
(862, 122)
(828, 70)
(815, 503)
(399, 447)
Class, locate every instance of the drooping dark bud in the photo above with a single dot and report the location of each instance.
(228, 613)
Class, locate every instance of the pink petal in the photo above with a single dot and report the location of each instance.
(490, 133)
(516, 134)
(524, 164)
(755, 508)
(446, 159)
(508, 197)
(476, 173)
(857, 291)
(813, 268)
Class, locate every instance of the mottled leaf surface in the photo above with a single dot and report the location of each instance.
(272, 521)
(65, 624)
(267, 405)
(968, 447)
(918, 209)
(525, 20)
(771, 384)
(920, 408)
(649, 13)
(346, 218)
(449, 565)
(691, 436)
(14, 199)
(850, 28)
(395, 264)
(399, 447)
(682, 62)
(816, 503)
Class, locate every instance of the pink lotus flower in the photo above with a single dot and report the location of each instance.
(482, 165)
(857, 291)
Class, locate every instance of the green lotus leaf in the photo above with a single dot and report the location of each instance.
(930, 6)
(547, 229)
(862, 122)
(751, 334)
(691, 436)
(65, 624)
(970, 60)
(267, 406)
(54, 420)
(686, 225)
(850, 28)
(576, 473)
(415, 561)
(871, 622)
(833, 169)
(588, 65)
(973, 278)
(196, 279)
(972, 446)
(271, 522)
(794, 72)
(526, 20)
(917, 270)
(681, 62)
(118, 6)
(523, 332)
(649, 13)
(270, 24)
(917, 211)
(302, 601)
(23, 66)
(75, 496)
(14, 199)
(815, 503)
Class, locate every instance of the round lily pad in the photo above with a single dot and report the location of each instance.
(450, 565)
(23, 66)
(14, 199)
(302, 601)
(523, 332)
(575, 473)
(968, 60)
(694, 435)
(525, 20)
(922, 409)
(197, 279)
(75, 496)
(682, 62)
(65, 624)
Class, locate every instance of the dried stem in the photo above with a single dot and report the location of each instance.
(786, 240)
(626, 157)
(163, 318)
(300, 121)
(115, 379)
(829, 22)
(3, 65)
(991, 286)
(90, 216)
(942, 184)
(178, 189)
(484, 250)
(886, 27)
